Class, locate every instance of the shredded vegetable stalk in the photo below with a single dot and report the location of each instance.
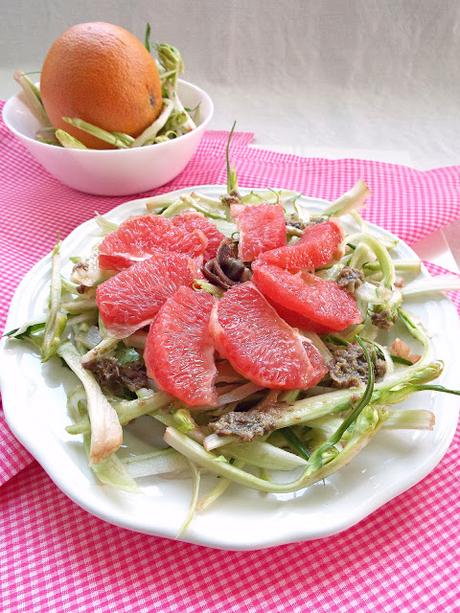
(232, 180)
(376, 246)
(111, 471)
(68, 141)
(444, 283)
(127, 410)
(105, 226)
(56, 320)
(32, 96)
(171, 60)
(317, 459)
(157, 462)
(151, 132)
(220, 489)
(264, 455)
(352, 200)
(401, 266)
(366, 427)
(196, 474)
(31, 332)
(106, 345)
(109, 137)
(106, 432)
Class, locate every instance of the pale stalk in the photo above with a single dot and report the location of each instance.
(56, 320)
(150, 132)
(264, 455)
(445, 283)
(351, 200)
(68, 141)
(79, 306)
(106, 432)
(220, 488)
(362, 434)
(32, 97)
(99, 133)
(127, 410)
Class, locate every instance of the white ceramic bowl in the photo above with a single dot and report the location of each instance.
(113, 172)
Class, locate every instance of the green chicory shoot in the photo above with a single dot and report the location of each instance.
(32, 97)
(68, 141)
(196, 475)
(352, 200)
(232, 180)
(56, 320)
(104, 135)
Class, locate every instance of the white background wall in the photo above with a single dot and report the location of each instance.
(320, 74)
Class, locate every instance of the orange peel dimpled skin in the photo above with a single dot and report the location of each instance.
(103, 74)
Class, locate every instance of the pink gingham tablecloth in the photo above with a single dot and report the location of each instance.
(56, 557)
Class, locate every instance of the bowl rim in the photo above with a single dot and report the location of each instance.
(204, 95)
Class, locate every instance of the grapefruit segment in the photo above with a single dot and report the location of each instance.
(179, 354)
(322, 302)
(191, 221)
(137, 239)
(318, 246)
(316, 360)
(131, 299)
(261, 227)
(262, 347)
(296, 320)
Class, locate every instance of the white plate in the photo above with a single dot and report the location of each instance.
(35, 408)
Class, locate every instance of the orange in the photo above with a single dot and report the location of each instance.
(101, 73)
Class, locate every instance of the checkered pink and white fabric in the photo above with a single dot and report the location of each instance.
(56, 557)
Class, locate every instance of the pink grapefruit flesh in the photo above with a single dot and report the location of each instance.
(322, 302)
(261, 227)
(179, 353)
(296, 320)
(137, 239)
(318, 246)
(191, 221)
(259, 345)
(317, 362)
(131, 299)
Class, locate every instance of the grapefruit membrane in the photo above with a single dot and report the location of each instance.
(318, 246)
(262, 227)
(317, 300)
(139, 237)
(179, 354)
(260, 345)
(131, 299)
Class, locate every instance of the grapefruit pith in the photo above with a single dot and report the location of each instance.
(262, 347)
(137, 238)
(320, 301)
(261, 227)
(179, 354)
(131, 299)
(318, 246)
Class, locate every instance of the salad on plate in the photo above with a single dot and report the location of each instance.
(271, 343)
